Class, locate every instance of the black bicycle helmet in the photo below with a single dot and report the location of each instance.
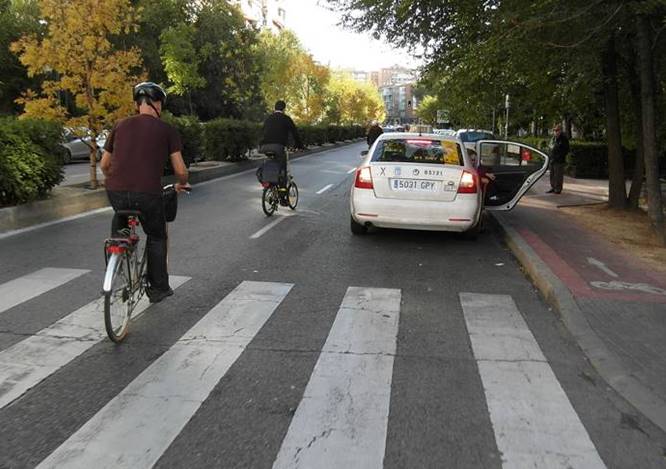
(149, 91)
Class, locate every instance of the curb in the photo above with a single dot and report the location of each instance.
(606, 362)
(63, 206)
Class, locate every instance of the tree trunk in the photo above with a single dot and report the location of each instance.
(617, 195)
(639, 164)
(655, 203)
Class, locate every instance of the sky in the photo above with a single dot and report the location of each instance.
(330, 44)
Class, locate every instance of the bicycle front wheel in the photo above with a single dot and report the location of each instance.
(292, 195)
(269, 200)
(118, 297)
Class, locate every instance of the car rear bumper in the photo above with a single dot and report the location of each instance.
(459, 215)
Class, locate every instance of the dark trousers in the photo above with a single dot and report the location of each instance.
(154, 225)
(556, 176)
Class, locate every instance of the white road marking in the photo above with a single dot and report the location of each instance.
(25, 364)
(139, 424)
(351, 170)
(535, 425)
(324, 189)
(342, 420)
(7, 234)
(601, 266)
(32, 285)
(267, 227)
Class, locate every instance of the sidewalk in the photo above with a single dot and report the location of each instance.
(613, 304)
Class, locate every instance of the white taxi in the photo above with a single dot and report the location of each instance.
(432, 182)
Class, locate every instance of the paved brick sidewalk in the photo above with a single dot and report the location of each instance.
(613, 303)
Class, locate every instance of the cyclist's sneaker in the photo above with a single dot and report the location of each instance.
(155, 296)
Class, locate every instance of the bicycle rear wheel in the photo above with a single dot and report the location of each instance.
(292, 195)
(118, 297)
(269, 200)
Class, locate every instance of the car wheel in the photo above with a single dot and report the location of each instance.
(357, 228)
(67, 157)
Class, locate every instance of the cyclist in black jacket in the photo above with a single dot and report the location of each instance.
(277, 128)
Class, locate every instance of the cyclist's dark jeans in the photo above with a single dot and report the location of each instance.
(154, 225)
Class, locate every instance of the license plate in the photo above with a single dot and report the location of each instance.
(413, 185)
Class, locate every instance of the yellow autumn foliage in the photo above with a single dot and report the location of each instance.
(77, 56)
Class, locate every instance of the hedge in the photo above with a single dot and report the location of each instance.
(230, 139)
(31, 159)
(191, 134)
(588, 160)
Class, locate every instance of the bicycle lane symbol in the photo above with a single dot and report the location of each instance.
(617, 285)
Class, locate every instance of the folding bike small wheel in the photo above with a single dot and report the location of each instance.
(292, 195)
(270, 200)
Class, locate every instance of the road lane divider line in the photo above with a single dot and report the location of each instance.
(145, 417)
(324, 189)
(25, 364)
(351, 170)
(34, 284)
(534, 422)
(272, 224)
(343, 417)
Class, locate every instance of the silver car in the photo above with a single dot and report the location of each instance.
(77, 145)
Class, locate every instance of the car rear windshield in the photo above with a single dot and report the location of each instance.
(476, 136)
(418, 150)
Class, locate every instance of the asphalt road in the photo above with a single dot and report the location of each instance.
(315, 348)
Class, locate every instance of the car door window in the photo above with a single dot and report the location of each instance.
(515, 168)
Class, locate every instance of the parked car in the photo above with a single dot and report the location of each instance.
(78, 148)
(429, 182)
(470, 136)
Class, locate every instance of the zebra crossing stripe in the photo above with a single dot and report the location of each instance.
(27, 363)
(135, 428)
(32, 285)
(535, 425)
(342, 419)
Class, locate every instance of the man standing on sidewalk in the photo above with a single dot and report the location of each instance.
(559, 149)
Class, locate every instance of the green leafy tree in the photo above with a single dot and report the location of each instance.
(181, 62)
(427, 109)
(17, 17)
(227, 61)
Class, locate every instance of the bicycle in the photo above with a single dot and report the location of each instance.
(125, 278)
(274, 195)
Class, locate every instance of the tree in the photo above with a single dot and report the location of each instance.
(181, 62)
(227, 61)
(16, 18)
(556, 58)
(351, 102)
(427, 110)
(77, 52)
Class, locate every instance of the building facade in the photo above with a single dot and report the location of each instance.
(400, 103)
(395, 75)
(269, 14)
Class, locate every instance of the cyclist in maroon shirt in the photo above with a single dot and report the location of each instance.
(133, 162)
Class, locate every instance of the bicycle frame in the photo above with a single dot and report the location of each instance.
(115, 249)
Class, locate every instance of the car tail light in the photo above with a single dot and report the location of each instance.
(468, 183)
(363, 178)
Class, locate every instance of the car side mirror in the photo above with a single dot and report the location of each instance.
(364, 153)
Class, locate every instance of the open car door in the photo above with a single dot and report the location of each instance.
(516, 167)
